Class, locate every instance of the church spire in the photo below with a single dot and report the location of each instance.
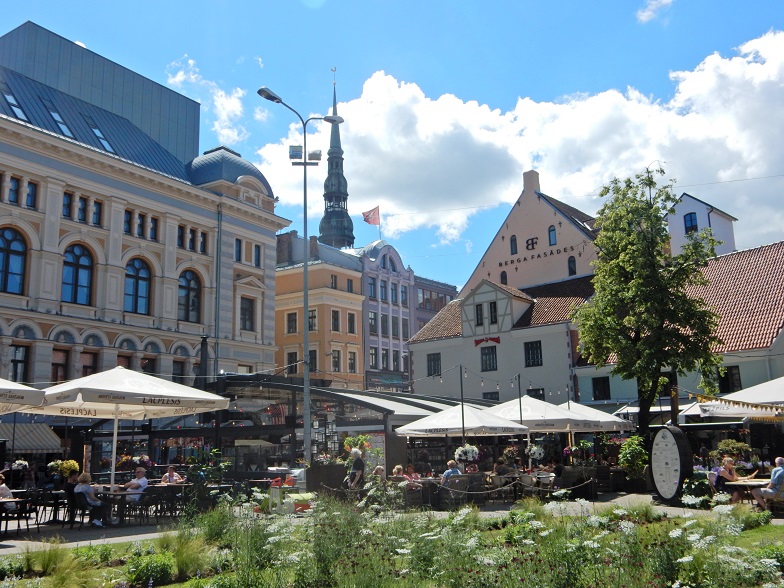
(336, 227)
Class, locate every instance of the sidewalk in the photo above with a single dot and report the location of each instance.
(88, 535)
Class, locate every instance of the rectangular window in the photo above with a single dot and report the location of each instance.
(374, 358)
(336, 321)
(19, 363)
(601, 388)
(536, 393)
(533, 353)
(59, 366)
(312, 320)
(352, 362)
(99, 134)
(98, 214)
(291, 363)
(127, 222)
(404, 295)
(395, 360)
(313, 360)
(257, 255)
(433, 364)
(178, 372)
(385, 359)
(12, 102)
(247, 314)
(493, 313)
(291, 322)
(480, 319)
(489, 359)
(395, 327)
(149, 365)
(371, 287)
(405, 328)
(181, 236)
(67, 205)
(393, 293)
(333, 282)
(57, 118)
(730, 381)
(32, 192)
(490, 396)
(335, 360)
(372, 324)
(349, 285)
(382, 290)
(203, 243)
(352, 323)
(153, 228)
(385, 324)
(140, 220)
(192, 240)
(405, 363)
(89, 363)
(13, 192)
(237, 249)
(125, 361)
(81, 210)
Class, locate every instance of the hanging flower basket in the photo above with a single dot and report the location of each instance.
(467, 453)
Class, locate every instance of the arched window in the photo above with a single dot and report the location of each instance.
(572, 266)
(503, 278)
(513, 244)
(13, 254)
(137, 287)
(77, 275)
(189, 299)
(392, 265)
(690, 222)
(551, 235)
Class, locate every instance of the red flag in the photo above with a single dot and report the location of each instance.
(372, 217)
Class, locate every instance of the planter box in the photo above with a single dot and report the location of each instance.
(323, 478)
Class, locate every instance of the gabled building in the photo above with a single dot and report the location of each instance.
(691, 215)
(120, 244)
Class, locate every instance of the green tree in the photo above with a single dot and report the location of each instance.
(644, 317)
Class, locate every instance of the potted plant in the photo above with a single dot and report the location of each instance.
(633, 457)
(326, 472)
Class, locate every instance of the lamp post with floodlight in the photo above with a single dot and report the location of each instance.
(268, 94)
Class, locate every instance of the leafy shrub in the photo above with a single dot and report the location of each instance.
(94, 554)
(188, 550)
(11, 566)
(633, 457)
(151, 570)
(773, 552)
(216, 523)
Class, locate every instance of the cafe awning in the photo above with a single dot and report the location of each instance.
(29, 438)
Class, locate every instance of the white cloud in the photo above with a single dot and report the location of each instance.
(430, 162)
(260, 62)
(651, 9)
(226, 106)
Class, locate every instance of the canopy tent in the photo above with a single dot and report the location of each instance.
(14, 396)
(539, 415)
(745, 403)
(451, 422)
(30, 438)
(597, 420)
(119, 394)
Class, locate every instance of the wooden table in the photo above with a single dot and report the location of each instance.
(749, 484)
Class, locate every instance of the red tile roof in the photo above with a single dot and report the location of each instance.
(446, 324)
(747, 291)
(554, 302)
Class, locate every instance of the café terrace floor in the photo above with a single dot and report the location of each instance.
(88, 535)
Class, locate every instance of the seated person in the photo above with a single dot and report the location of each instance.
(5, 492)
(518, 464)
(411, 474)
(398, 471)
(727, 474)
(70, 482)
(171, 476)
(136, 486)
(451, 471)
(100, 511)
(500, 468)
(379, 471)
(558, 468)
(776, 480)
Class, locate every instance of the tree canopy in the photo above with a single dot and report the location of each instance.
(641, 319)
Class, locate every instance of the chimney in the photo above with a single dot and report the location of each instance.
(283, 247)
(531, 181)
(314, 253)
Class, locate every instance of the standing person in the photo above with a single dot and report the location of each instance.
(100, 511)
(136, 486)
(357, 473)
(776, 480)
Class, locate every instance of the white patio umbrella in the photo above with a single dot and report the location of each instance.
(14, 396)
(449, 423)
(762, 400)
(539, 415)
(597, 420)
(120, 393)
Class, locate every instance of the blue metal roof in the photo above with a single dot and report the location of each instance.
(222, 163)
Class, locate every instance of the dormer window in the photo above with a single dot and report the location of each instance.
(13, 103)
(64, 129)
(690, 222)
(99, 134)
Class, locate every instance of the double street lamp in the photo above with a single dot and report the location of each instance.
(268, 94)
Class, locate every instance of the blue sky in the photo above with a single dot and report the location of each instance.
(448, 103)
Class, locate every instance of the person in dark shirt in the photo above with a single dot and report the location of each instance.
(357, 473)
(501, 468)
(70, 482)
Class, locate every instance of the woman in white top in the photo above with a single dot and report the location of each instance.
(171, 476)
(5, 492)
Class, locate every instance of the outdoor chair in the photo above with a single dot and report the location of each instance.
(501, 488)
(527, 485)
(77, 507)
(148, 504)
(776, 503)
(453, 492)
(603, 483)
(712, 482)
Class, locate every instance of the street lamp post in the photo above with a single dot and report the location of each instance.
(268, 94)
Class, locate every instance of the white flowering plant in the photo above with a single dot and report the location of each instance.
(467, 453)
(534, 451)
(20, 464)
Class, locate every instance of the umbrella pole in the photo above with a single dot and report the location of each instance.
(114, 445)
